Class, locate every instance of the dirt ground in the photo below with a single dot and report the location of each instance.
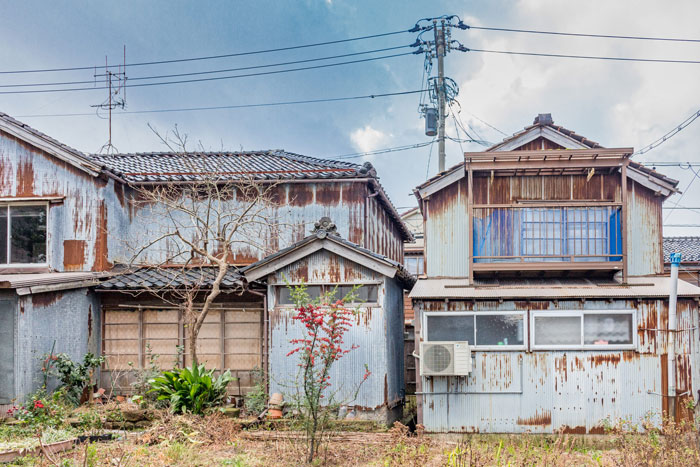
(218, 441)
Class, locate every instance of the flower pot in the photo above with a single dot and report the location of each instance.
(274, 413)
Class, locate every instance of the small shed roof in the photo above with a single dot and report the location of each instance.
(534, 289)
(688, 247)
(26, 284)
(325, 240)
(159, 278)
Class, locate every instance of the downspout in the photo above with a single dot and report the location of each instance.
(672, 300)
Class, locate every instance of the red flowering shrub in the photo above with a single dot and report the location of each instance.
(324, 323)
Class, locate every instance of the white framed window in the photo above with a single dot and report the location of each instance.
(414, 264)
(367, 294)
(584, 329)
(23, 234)
(487, 330)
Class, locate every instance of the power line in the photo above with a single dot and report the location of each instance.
(239, 106)
(488, 124)
(216, 78)
(225, 70)
(668, 135)
(355, 155)
(575, 34)
(695, 177)
(212, 57)
(588, 57)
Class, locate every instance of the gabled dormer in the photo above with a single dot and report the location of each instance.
(544, 202)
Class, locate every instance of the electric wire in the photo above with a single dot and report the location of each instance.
(588, 57)
(224, 70)
(210, 57)
(238, 106)
(575, 34)
(669, 135)
(216, 78)
(695, 177)
(355, 155)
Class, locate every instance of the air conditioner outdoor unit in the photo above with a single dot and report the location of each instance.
(445, 359)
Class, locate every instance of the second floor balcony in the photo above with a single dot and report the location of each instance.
(547, 238)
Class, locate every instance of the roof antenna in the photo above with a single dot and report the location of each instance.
(115, 83)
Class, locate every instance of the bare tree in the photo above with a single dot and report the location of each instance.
(193, 227)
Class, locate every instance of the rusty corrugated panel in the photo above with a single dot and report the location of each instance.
(570, 391)
(447, 233)
(644, 232)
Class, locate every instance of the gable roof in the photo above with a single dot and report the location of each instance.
(543, 127)
(323, 240)
(688, 247)
(46, 143)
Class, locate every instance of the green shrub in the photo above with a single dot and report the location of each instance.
(191, 390)
(256, 399)
(74, 376)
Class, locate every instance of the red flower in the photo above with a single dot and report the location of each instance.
(38, 404)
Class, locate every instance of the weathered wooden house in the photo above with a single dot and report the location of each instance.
(69, 218)
(545, 307)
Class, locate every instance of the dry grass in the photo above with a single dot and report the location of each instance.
(219, 441)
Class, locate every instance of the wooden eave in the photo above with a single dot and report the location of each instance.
(552, 161)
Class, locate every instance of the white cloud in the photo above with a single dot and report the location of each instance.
(368, 138)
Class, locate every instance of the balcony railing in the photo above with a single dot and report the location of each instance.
(547, 235)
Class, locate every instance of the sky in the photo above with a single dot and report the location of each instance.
(619, 104)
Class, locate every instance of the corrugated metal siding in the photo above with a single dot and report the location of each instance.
(378, 333)
(71, 319)
(446, 235)
(644, 235)
(8, 310)
(77, 235)
(574, 391)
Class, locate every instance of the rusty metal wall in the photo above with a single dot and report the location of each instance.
(8, 312)
(298, 205)
(71, 319)
(644, 234)
(447, 232)
(377, 331)
(77, 235)
(573, 391)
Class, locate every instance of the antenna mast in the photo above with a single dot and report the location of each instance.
(115, 82)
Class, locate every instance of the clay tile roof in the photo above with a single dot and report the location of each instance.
(259, 165)
(160, 278)
(688, 247)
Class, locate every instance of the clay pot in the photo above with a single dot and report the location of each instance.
(274, 414)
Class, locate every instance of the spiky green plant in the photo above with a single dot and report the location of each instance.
(191, 390)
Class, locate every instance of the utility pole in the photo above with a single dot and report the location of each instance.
(671, 347)
(440, 52)
(115, 82)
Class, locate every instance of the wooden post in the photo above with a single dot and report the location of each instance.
(222, 337)
(141, 338)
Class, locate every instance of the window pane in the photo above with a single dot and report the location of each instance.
(28, 235)
(284, 294)
(608, 329)
(451, 328)
(3, 234)
(499, 329)
(365, 294)
(557, 330)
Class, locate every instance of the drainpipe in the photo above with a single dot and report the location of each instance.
(672, 299)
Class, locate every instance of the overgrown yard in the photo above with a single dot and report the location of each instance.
(190, 440)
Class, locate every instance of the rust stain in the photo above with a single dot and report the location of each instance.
(328, 194)
(664, 384)
(244, 256)
(73, 254)
(386, 389)
(573, 430)
(630, 356)
(25, 179)
(597, 360)
(578, 364)
(333, 268)
(89, 320)
(539, 419)
(300, 194)
(597, 430)
(560, 367)
(45, 299)
(101, 257)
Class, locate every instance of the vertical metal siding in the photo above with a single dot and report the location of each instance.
(446, 235)
(8, 311)
(644, 235)
(573, 391)
(378, 333)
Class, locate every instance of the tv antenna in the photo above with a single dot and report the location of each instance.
(115, 82)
